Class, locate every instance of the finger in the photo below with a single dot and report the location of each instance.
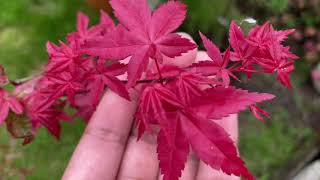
(140, 159)
(202, 56)
(205, 172)
(101, 147)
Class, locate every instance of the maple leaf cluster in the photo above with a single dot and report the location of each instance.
(184, 102)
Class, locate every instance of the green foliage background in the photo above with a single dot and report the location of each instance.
(26, 25)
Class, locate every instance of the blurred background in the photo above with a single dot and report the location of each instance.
(286, 145)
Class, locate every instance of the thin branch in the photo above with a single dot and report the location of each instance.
(159, 72)
(23, 80)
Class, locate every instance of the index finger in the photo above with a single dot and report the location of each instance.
(100, 149)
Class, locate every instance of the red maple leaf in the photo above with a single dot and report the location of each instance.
(64, 58)
(8, 103)
(150, 109)
(213, 145)
(105, 75)
(258, 113)
(278, 60)
(106, 23)
(181, 125)
(172, 149)
(40, 114)
(220, 102)
(63, 84)
(262, 36)
(217, 65)
(85, 33)
(142, 35)
(242, 49)
(85, 107)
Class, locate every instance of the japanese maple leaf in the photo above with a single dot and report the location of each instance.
(217, 65)
(150, 109)
(262, 36)
(259, 113)
(64, 84)
(8, 103)
(172, 149)
(158, 105)
(105, 75)
(188, 86)
(283, 69)
(42, 114)
(210, 142)
(85, 33)
(278, 61)
(180, 127)
(64, 58)
(106, 23)
(85, 107)
(242, 50)
(142, 35)
(213, 145)
(220, 102)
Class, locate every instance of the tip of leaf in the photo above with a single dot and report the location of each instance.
(203, 37)
(81, 14)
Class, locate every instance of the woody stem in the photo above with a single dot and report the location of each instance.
(159, 72)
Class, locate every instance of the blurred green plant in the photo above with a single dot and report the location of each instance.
(276, 6)
(267, 147)
(211, 17)
(25, 27)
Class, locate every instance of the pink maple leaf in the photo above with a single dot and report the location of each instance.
(213, 145)
(142, 35)
(64, 58)
(220, 102)
(277, 60)
(8, 103)
(217, 65)
(259, 113)
(181, 126)
(262, 36)
(105, 75)
(150, 108)
(85, 33)
(106, 23)
(242, 49)
(172, 149)
(64, 84)
(40, 114)
(85, 107)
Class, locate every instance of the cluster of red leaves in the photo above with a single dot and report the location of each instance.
(184, 102)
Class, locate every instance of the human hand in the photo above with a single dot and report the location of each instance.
(109, 150)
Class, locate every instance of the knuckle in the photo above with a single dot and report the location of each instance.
(106, 135)
(149, 138)
(132, 178)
